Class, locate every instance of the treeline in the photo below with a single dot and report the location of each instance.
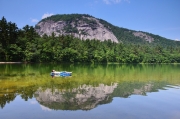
(67, 17)
(27, 46)
(126, 36)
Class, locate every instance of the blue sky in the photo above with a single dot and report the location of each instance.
(160, 17)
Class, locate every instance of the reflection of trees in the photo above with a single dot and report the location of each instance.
(132, 80)
(25, 92)
(127, 89)
(28, 92)
(6, 98)
(87, 97)
(84, 97)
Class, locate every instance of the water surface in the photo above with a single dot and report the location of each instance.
(93, 91)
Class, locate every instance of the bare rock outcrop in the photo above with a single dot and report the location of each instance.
(143, 36)
(89, 28)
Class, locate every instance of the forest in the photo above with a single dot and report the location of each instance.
(25, 45)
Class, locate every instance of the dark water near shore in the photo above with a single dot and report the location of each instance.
(27, 91)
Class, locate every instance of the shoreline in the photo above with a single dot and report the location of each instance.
(11, 62)
(88, 63)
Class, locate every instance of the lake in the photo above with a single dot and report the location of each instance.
(104, 91)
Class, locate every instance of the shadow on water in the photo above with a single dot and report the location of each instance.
(90, 84)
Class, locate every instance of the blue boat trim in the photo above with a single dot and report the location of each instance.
(61, 73)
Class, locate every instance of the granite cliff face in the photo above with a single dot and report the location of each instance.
(143, 36)
(85, 27)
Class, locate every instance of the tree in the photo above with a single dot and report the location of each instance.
(8, 36)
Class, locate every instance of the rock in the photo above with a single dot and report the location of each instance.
(144, 36)
(90, 28)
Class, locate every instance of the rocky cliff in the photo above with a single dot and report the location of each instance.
(84, 27)
(80, 26)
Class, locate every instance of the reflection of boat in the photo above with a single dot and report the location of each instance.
(61, 73)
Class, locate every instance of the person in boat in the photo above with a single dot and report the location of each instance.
(52, 73)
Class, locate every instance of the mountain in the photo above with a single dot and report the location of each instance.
(84, 26)
(81, 26)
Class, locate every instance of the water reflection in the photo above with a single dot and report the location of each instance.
(85, 97)
(89, 86)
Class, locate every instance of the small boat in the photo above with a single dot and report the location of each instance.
(61, 73)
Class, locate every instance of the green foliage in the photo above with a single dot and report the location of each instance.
(37, 27)
(66, 17)
(126, 36)
(27, 46)
(29, 80)
(123, 35)
(8, 36)
(69, 18)
(70, 29)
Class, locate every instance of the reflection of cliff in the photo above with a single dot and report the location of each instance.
(84, 97)
(127, 89)
(143, 89)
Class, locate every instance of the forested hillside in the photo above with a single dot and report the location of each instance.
(27, 46)
(124, 35)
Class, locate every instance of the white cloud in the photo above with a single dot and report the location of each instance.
(106, 1)
(127, 1)
(177, 39)
(95, 1)
(34, 20)
(33, 102)
(47, 15)
(45, 108)
(114, 1)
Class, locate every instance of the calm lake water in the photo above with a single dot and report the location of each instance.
(113, 91)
